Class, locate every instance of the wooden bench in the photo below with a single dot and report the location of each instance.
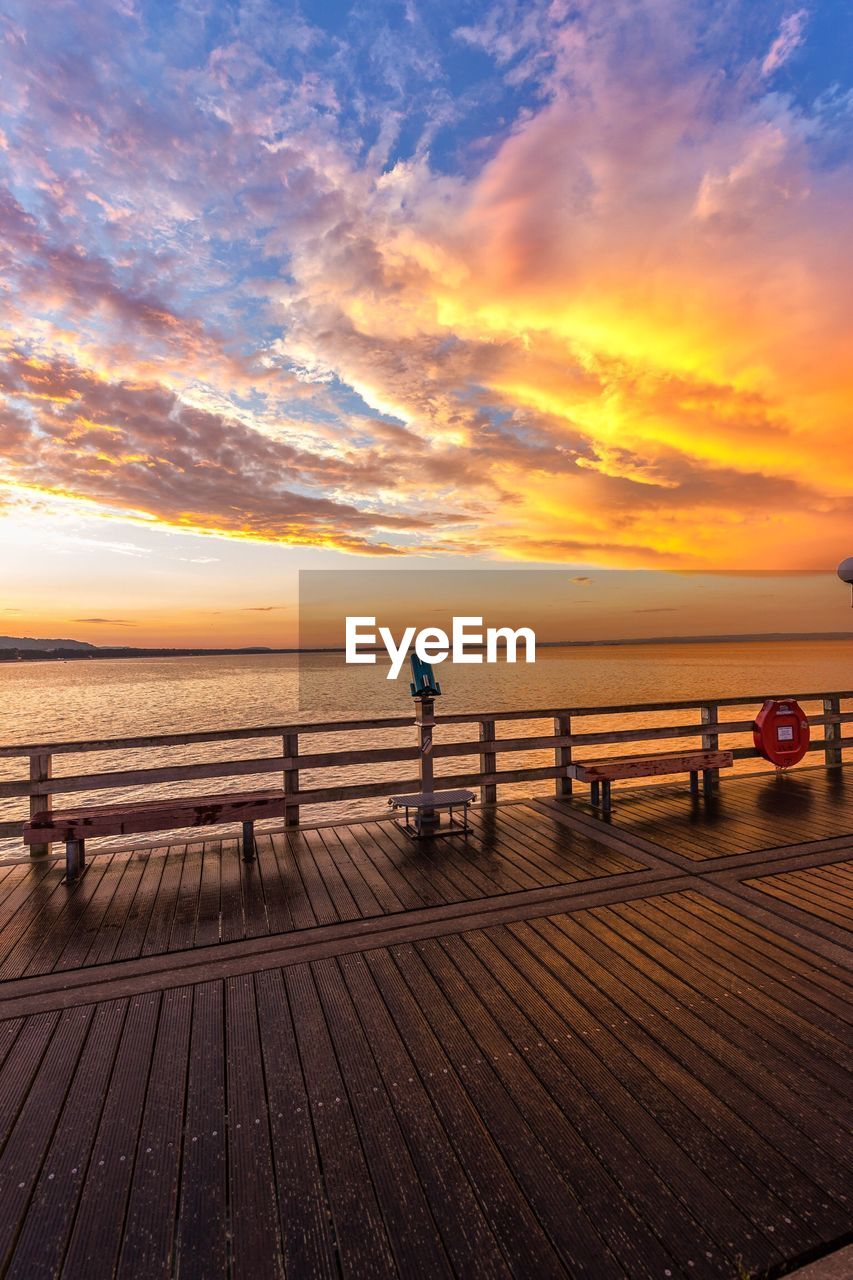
(426, 804)
(600, 773)
(74, 826)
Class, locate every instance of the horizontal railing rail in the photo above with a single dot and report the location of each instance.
(541, 713)
(205, 735)
(563, 739)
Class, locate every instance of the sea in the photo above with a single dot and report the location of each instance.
(79, 700)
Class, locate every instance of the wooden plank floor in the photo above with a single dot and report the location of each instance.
(764, 811)
(183, 896)
(544, 1053)
(825, 891)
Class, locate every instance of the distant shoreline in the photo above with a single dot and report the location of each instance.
(11, 653)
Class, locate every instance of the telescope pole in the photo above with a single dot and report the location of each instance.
(425, 720)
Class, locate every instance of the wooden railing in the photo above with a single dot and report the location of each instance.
(292, 762)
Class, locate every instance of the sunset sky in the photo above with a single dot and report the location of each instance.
(421, 284)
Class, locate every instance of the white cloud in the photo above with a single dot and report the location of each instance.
(789, 38)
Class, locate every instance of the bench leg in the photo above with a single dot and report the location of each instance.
(694, 782)
(75, 860)
(248, 841)
(707, 781)
(605, 796)
(594, 790)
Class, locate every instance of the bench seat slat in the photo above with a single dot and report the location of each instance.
(429, 799)
(161, 814)
(649, 766)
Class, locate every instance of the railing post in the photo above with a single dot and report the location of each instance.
(488, 762)
(41, 764)
(562, 755)
(710, 740)
(290, 748)
(710, 718)
(832, 732)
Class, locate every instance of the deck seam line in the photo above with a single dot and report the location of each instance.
(181, 968)
(546, 894)
(551, 898)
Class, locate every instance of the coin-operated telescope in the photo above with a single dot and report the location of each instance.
(424, 683)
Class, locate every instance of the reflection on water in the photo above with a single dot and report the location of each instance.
(52, 702)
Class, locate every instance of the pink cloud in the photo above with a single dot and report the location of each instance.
(140, 450)
(791, 35)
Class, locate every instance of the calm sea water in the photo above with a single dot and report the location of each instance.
(44, 702)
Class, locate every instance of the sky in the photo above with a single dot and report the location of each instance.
(414, 285)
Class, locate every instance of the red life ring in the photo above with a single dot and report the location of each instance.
(781, 732)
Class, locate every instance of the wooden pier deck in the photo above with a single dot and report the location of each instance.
(561, 1047)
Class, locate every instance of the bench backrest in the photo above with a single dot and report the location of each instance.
(166, 814)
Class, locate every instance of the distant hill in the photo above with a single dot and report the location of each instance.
(28, 642)
(26, 648)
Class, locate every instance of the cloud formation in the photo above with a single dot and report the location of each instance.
(113, 622)
(139, 450)
(551, 283)
(789, 37)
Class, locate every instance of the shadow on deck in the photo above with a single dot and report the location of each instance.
(560, 1047)
(746, 814)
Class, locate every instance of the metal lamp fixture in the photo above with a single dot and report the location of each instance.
(845, 573)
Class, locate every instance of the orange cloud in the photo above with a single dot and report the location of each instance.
(648, 281)
(624, 334)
